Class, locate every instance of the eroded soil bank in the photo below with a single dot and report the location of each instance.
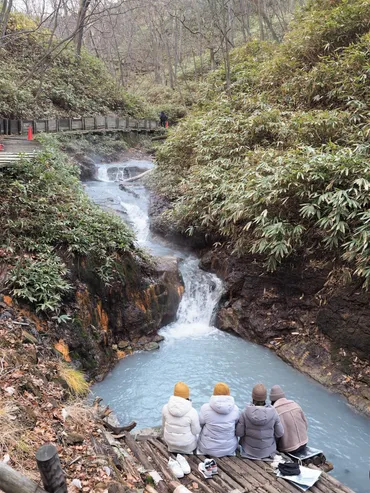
(320, 328)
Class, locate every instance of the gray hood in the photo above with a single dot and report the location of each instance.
(260, 415)
(222, 404)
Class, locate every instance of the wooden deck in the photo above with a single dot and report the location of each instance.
(236, 475)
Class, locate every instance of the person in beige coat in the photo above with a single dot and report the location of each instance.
(293, 419)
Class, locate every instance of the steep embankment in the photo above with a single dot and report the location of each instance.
(274, 172)
(76, 295)
(41, 76)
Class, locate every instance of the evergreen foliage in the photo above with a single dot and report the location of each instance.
(279, 165)
(48, 218)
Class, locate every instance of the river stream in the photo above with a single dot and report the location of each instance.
(197, 353)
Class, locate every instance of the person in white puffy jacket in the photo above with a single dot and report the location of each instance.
(180, 422)
(218, 419)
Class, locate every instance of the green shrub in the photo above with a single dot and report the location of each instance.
(278, 165)
(45, 212)
(39, 280)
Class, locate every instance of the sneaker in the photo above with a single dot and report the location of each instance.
(175, 468)
(211, 465)
(183, 464)
(207, 473)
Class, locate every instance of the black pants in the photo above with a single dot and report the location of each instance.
(299, 449)
(163, 123)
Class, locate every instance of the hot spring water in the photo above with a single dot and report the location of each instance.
(195, 352)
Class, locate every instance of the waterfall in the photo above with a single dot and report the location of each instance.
(202, 293)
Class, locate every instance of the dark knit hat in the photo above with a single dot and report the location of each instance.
(259, 392)
(276, 393)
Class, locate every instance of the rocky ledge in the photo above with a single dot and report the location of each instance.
(320, 328)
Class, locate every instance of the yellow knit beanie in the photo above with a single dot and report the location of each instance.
(221, 389)
(181, 390)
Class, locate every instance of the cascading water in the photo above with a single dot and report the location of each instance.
(197, 353)
(202, 293)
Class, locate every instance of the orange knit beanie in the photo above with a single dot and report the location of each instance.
(181, 390)
(221, 389)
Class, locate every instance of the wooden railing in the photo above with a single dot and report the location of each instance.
(84, 124)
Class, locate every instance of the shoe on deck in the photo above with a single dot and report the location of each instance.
(207, 473)
(211, 465)
(183, 464)
(175, 468)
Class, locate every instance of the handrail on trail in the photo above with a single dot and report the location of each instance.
(84, 124)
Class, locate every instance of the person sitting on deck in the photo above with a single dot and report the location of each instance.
(218, 419)
(180, 421)
(293, 420)
(259, 427)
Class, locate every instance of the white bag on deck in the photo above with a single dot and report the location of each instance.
(305, 479)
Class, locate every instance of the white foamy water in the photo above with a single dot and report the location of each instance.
(196, 352)
(138, 220)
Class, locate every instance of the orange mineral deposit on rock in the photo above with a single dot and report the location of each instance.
(63, 349)
(8, 300)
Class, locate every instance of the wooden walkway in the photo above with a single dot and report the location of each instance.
(236, 475)
(84, 124)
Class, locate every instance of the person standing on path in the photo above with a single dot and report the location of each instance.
(180, 421)
(163, 118)
(218, 419)
(259, 427)
(293, 420)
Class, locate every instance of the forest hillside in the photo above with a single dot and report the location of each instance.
(40, 76)
(278, 164)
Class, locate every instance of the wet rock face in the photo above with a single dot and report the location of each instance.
(108, 322)
(261, 307)
(345, 319)
(162, 225)
(115, 320)
(87, 167)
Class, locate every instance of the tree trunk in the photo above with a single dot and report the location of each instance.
(4, 16)
(84, 5)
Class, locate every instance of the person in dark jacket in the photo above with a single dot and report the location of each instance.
(163, 118)
(259, 427)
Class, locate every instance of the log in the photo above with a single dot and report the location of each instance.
(12, 481)
(105, 449)
(119, 430)
(51, 471)
(150, 489)
(129, 180)
(135, 449)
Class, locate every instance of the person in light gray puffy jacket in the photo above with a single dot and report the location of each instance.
(180, 422)
(218, 419)
(259, 427)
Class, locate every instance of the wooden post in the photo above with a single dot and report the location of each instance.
(12, 481)
(50, 469)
